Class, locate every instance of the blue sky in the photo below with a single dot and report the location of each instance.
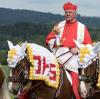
(85, 7)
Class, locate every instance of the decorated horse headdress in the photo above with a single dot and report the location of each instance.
(43, 64)
(15, 54)
(87, 53)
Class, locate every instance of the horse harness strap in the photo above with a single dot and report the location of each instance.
(86, 78)
(36, 85)
(60, 84)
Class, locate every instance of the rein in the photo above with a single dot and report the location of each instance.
(18, 78)
(62, 54)
(61, 82)
(87, 78)
(36, 85)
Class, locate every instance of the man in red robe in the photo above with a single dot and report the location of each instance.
(62, 35)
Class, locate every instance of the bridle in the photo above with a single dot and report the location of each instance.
(22, 77)
(93, 78)
(17, 79)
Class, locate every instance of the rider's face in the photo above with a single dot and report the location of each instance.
(70, 15)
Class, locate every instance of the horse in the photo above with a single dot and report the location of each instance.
(4, 93)
(25, 88)
(1, 77)
(88, 76)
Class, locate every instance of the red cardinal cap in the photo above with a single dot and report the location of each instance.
(69, 6)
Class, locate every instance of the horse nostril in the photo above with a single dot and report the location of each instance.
(84, 93)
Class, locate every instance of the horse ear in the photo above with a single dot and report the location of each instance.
(10, 44)
(79, 45)
(24, 46)
(97, 47)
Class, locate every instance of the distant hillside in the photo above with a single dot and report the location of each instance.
(12, 16)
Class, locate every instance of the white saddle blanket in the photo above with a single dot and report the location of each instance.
(66, 58)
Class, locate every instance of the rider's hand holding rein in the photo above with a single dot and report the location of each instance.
(74, 50)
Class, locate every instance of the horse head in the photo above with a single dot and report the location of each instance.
(88, 78)
(89, 68)
(16, 55)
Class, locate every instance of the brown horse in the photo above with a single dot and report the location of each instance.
(4, 93)
(1, 77)
(35, 89)
(96, 94)
(88, 79)
(38, 89)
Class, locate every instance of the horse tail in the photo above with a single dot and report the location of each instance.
(4, 93)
